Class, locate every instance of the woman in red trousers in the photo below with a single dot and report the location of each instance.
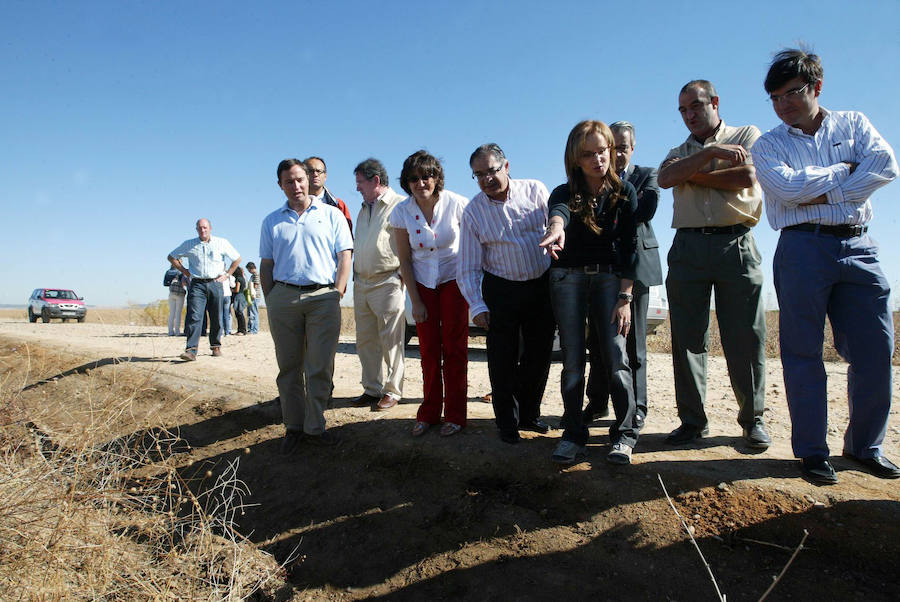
(426, 233)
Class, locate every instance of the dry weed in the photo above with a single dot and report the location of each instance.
(86, 514)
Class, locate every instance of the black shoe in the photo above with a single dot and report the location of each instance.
(593, 413)
(756, 436)
(537, 426)
(326, 439)
(511, 437)
(291, 442)
(686, 433)
(365, 400)
(879, 466)
(817, 470)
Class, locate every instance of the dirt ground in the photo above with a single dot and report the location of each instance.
(469, 517)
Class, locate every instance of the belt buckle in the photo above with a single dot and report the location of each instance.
(856, 230)
(592, 269)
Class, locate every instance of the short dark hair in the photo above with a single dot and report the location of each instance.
(370, 168)
(251, 265)
(791, 63)
(287, 164)
(315, 158)
(491, 148)
(702, 84)
(422, 163)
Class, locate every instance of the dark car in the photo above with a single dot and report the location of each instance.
(49, 303)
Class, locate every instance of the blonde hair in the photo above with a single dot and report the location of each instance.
(581, 198)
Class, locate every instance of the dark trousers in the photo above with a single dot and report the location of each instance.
(203, 297)
(818, 275)
(731, 265)
(635, 345)
(518, 379)
(239, 304)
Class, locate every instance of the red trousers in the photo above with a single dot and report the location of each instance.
(444, 348)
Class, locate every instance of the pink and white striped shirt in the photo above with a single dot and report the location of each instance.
(501, 237)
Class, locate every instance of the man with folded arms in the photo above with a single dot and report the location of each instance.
(717, 202)
(504, 276)
(818, 170)
(378, 292)
(304, 250)
(207, 257)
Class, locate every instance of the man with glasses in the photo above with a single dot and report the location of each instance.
(503, 275)
(717, 202)
(818, 170)
(318, 173)
(378, 293)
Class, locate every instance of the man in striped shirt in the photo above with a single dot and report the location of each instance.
(503, 275)
(818, 170)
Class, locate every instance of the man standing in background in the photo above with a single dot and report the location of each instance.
(207, 257)
(318, 173)
(253, 285)
(378, 292)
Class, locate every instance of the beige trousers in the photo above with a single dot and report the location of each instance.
(380, 326)
(305, 329)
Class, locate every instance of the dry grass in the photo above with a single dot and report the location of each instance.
(89, 513)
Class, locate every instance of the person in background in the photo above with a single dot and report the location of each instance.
(207, 256)
(426, 236)
(253, 286)
(239, 300)
(591, 236)
(318, 173)
(227, 288)
(177, 291)
(818, 170)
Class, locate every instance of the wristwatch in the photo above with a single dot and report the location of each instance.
(626, 297)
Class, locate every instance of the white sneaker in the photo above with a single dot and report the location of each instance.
(620, 454)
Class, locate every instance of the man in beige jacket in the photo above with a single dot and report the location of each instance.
(378, 293)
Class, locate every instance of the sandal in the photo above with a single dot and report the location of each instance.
(450, 428)
(420, 428)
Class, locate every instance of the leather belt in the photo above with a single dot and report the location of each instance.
(202, 280)
(597, 268)
(735, 229)
(305, 288)
(845, 231)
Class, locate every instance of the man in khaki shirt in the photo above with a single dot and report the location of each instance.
(717, 202)
(378, 293)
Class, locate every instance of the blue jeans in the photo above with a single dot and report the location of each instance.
(818, 275)
(226, 316)
(576, 295)
(253, 316)
(203, 297)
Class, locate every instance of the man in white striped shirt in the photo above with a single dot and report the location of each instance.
(818, 170)
(503, 275)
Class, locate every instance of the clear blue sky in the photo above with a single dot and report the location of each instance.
(124, 122)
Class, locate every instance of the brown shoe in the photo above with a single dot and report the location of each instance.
(217, 352)
(386, 403)
(189, 355)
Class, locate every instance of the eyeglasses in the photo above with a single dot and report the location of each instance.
(789, 95)
(419, 178)
(317, 172)
(491, 172)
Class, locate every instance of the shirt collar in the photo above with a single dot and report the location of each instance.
(717, 135)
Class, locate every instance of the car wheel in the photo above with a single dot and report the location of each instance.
(65, 319)
(409, 334)
(45, 316)
(31, 317)
(80, 320)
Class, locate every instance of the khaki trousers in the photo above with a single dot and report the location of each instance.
(380, 326)
(305, 329)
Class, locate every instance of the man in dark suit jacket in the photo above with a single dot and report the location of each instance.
(649, 273)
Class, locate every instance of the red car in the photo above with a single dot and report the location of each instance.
(49, 303)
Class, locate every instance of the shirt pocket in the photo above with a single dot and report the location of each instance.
(843, 150)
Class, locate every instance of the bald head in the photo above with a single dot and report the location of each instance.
(204, 228)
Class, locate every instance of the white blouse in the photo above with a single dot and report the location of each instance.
(435, 246)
